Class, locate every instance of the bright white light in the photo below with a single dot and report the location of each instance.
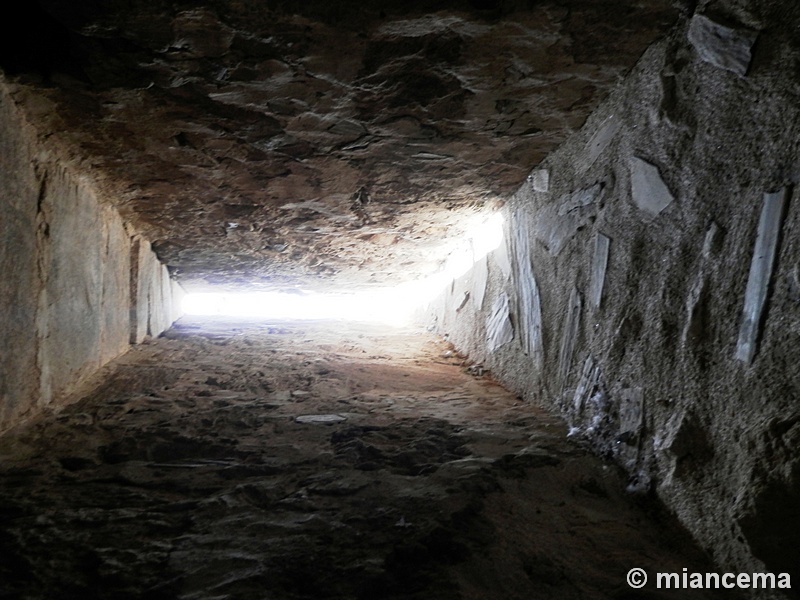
(487, 236)
(393, 306)
(385, 305)
(482, 238)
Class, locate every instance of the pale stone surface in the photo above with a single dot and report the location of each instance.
(480, 279)
(116, 293)
(156, 297)
(529, 309)
(501, 257)
(599, 266)
(143, 263)
(758, 283)
(569, 335)
(648, 190)
(70, 322)
(540, 180)
(601, 140)
(321, 419)
(589, 380)
(65, 260)
(721, 46)
(499, 330)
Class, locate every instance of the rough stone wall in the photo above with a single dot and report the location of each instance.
(65, 260)
(663, 241)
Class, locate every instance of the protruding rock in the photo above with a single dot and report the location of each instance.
(722, 46)
(540, 180)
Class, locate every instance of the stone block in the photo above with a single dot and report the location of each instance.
(70, 321)
(116, 291)
(648, 190)
(721, 46)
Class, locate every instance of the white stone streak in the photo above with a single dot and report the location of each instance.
(480, 278)
(528, 300)
(590, 377)
(501, 258)
(601, 140)
(755, 295)
(570, 335)
(721, 46)
(599, 265)
(499, 330)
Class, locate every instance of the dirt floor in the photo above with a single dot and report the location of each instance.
(234, 460)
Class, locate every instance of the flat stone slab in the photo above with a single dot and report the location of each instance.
(324, 419)
(499, 329)
(648, 190)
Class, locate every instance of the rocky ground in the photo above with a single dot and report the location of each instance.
(232, 460)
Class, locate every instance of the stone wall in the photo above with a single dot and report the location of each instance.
(65, 259)
(649, 284)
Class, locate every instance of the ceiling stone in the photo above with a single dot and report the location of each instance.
(318, 144)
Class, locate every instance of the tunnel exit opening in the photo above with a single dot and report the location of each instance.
(399, 305)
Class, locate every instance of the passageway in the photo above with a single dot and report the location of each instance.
(596, 201)
(311, 459)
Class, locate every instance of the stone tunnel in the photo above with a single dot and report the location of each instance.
(564, 236)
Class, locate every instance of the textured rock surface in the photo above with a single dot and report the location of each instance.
(294, 144)
(185, 474)
(655, 380)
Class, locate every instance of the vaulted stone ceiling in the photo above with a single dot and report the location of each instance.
(316, 143)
